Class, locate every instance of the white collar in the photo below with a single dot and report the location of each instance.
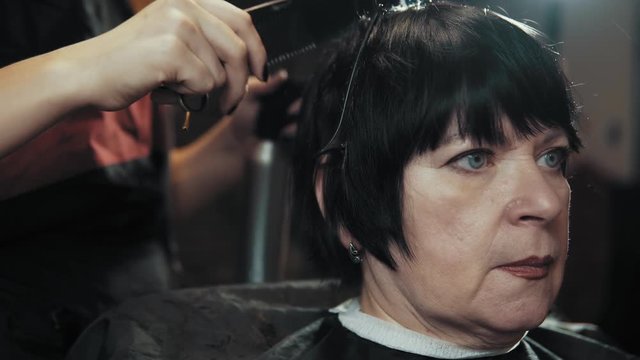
(397, 337)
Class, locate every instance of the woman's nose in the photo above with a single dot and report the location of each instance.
(536, 197)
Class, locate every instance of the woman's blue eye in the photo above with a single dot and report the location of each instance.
(473, 161)
(555, 158)
(476, 161)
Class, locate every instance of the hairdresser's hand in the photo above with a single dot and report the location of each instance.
(190, 46)
(217, 159)
(243, 120)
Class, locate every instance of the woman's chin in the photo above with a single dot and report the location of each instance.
(517, 322)
(519, 310)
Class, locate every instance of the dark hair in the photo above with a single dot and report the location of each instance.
(420, 68)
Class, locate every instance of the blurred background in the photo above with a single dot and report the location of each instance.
(242, 235)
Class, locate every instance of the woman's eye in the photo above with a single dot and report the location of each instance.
(555, 158)
(472, 161)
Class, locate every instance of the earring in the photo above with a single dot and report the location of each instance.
(354, 254)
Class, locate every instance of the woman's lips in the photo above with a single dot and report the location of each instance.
(531, 268)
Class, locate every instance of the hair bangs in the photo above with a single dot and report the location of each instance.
(497, 75)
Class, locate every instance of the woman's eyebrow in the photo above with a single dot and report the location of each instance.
(553, 135)
(450, 138)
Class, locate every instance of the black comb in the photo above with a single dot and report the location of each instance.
(294, 32)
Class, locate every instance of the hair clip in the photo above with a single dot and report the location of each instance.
(378, 7)
(404, 5)
(330, 146)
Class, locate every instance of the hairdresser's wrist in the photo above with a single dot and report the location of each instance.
(66, 77)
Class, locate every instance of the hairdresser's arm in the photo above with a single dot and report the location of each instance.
(191, 46)
(217, 159)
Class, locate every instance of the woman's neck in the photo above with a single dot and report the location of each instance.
(393, 335)
(399, 311)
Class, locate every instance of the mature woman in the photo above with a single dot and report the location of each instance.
(431, 171)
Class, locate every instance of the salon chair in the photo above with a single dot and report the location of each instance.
(221, 322)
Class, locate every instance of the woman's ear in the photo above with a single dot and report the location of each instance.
(319, 189)
(345, 236)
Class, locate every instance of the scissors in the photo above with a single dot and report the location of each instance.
(293, 32)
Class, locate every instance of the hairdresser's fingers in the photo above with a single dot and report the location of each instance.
(295, 107)
(289, 131)
(246, 115)
(242, 24)
(195, 76)
(231, 51)
(217, 45)
(190, 32)
(258, 88)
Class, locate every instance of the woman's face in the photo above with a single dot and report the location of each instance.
(488, 230)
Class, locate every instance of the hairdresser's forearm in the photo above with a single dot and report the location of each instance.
(34, 93)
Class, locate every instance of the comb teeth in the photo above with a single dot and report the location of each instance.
(288, 55)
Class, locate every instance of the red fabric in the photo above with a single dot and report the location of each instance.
(84, 140)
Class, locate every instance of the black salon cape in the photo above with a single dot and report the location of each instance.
(326, 338)
(272, 321)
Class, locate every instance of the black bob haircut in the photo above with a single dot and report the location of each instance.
(420, 69)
